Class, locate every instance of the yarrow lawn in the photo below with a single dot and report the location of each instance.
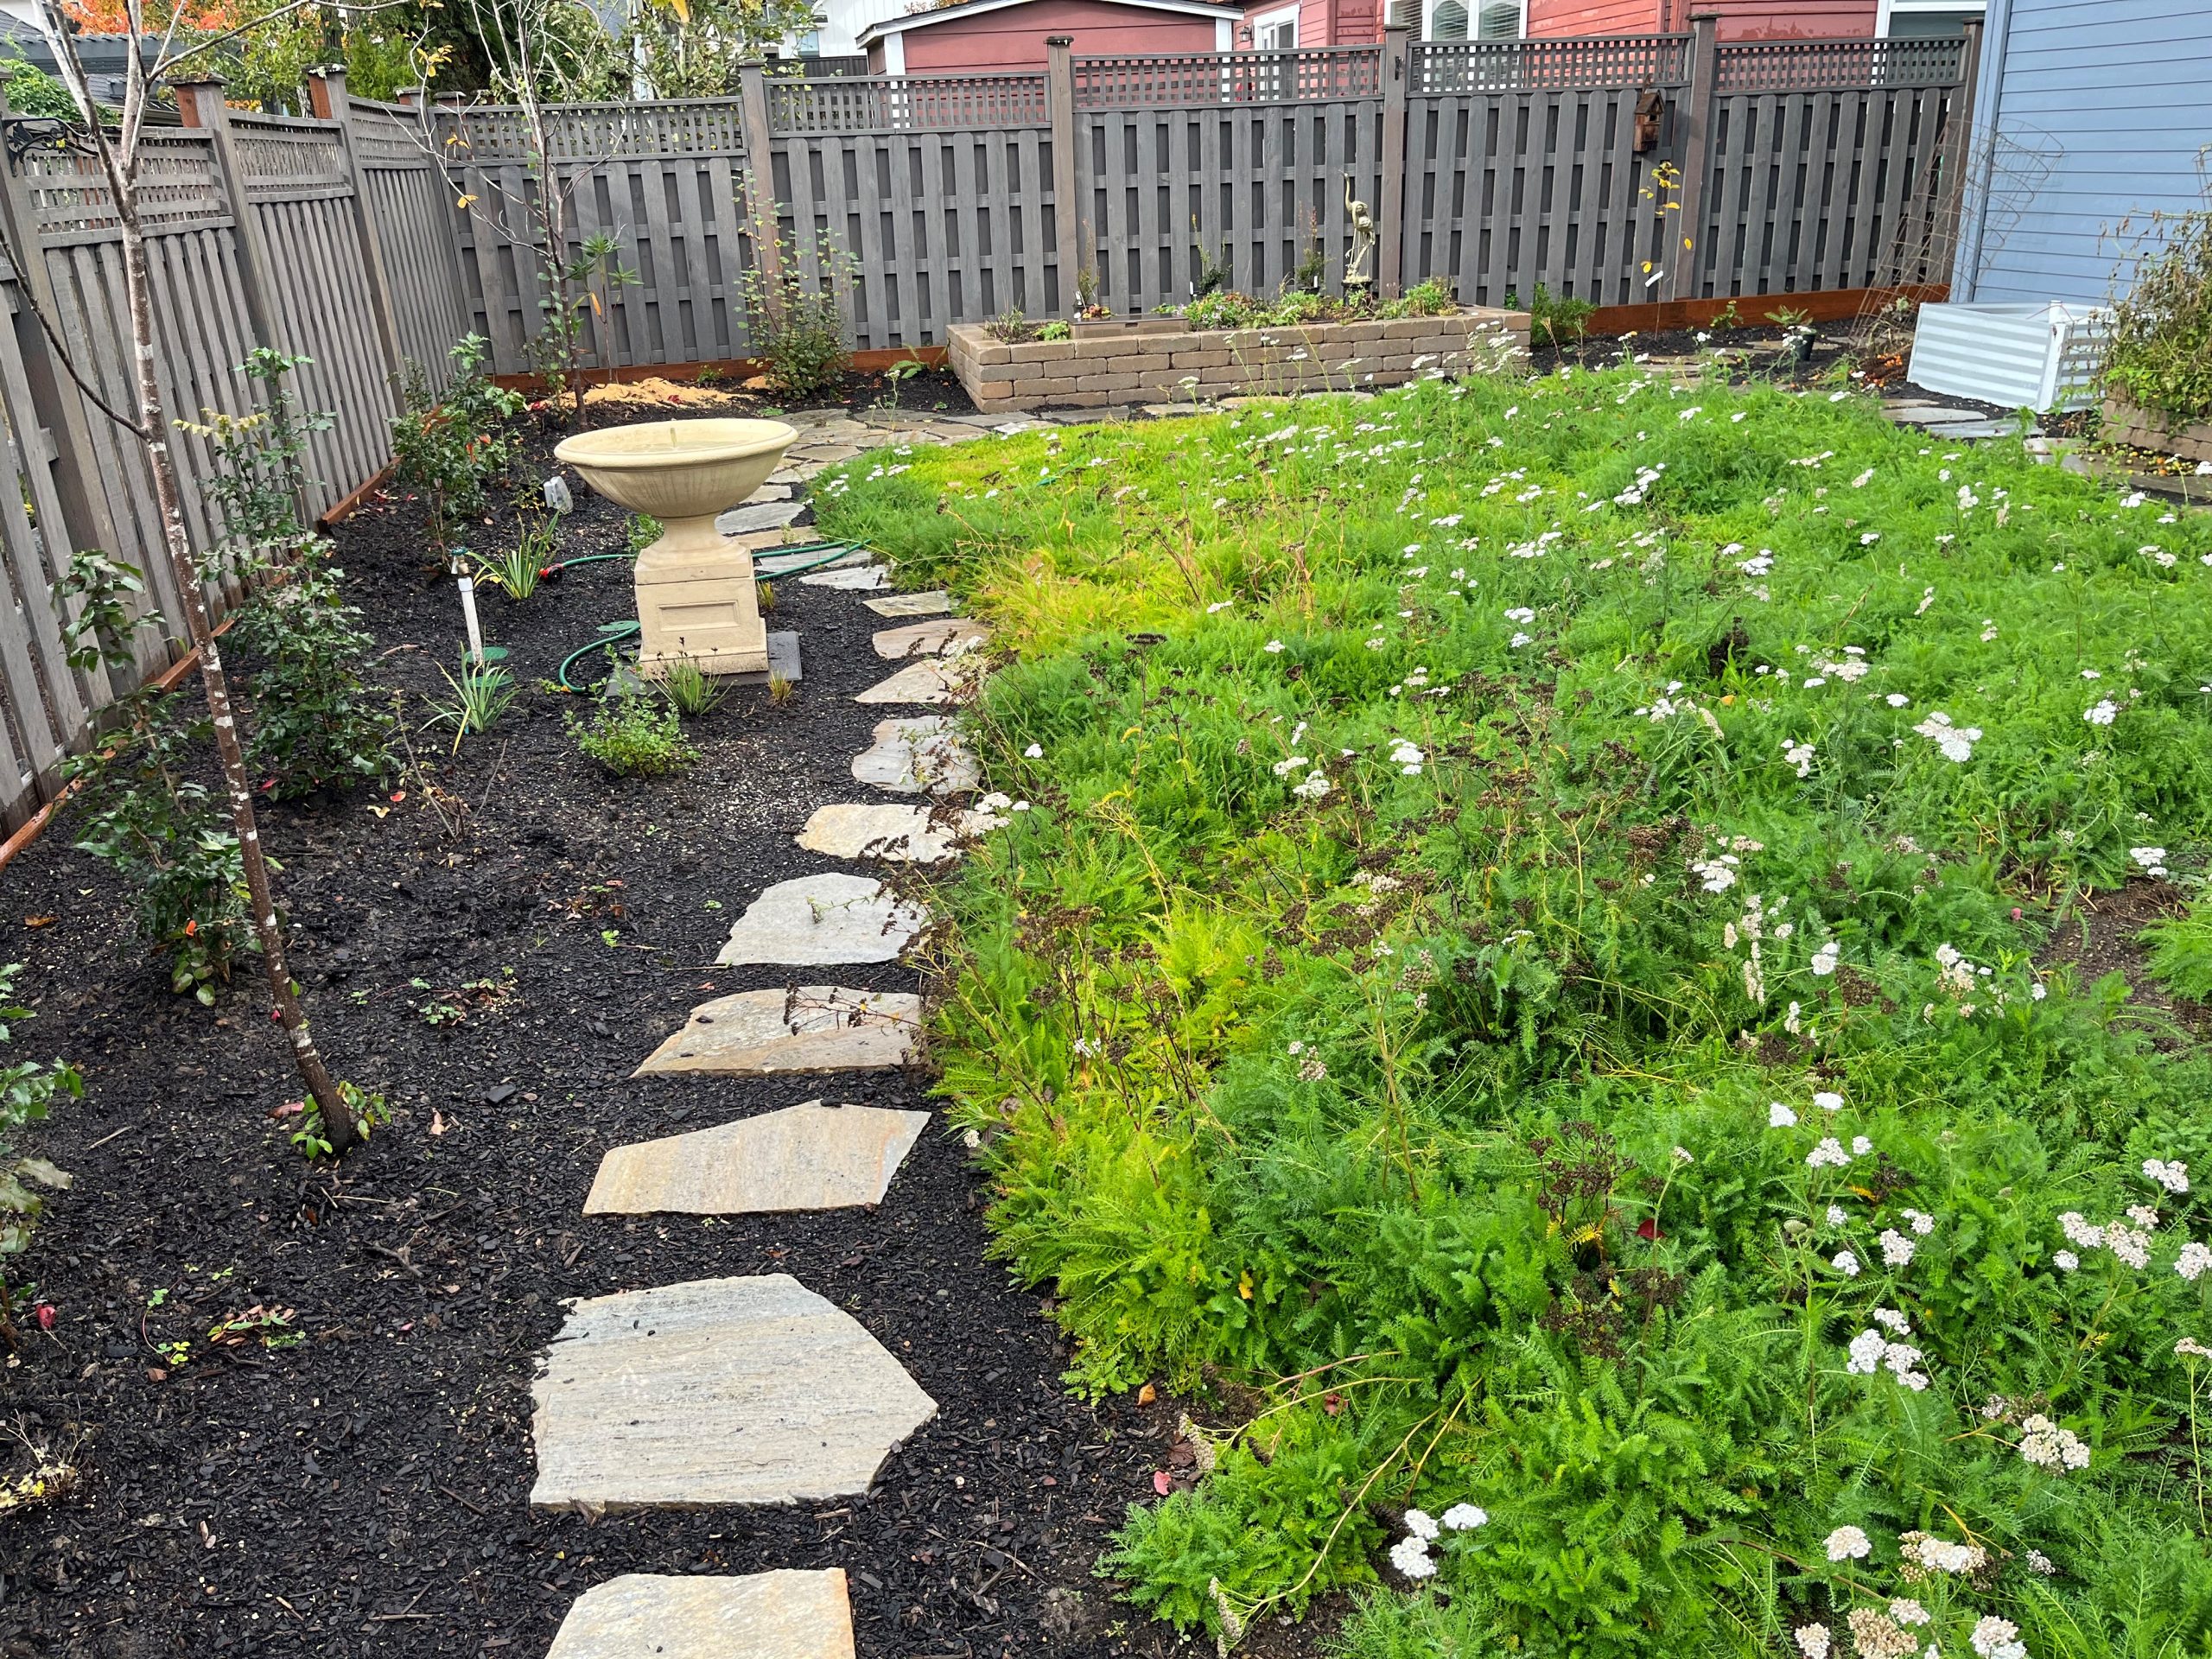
(1532, 979)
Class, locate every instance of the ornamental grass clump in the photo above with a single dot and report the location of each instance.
(1536, 979)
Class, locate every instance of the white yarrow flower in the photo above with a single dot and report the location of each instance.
(1849, 1544)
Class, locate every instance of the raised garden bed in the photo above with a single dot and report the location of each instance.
(1187, 364)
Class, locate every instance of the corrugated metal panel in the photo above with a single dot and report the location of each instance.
(2019, 356)
(2095, 112)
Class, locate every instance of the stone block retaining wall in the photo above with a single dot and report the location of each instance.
(2146, 430)
(1099, 370)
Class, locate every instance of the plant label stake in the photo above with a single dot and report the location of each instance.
(468, 606)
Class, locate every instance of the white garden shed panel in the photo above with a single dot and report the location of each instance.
(2040, 357)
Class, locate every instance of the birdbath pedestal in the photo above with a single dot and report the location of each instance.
(695, 598)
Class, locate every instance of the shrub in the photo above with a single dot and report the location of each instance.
(2158, 352)
(1430, 298)
(451, 448)
(1224, 309)
(635, 736)
(139, 808)
(318, 723)
(1553, 320)
(797, 323)
(1298, 306)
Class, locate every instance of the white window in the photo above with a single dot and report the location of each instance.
(1897, 20)
(1482, 20)
(1276, 31)
(1502, 20)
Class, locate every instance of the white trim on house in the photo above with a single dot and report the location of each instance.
(1224, 34)
(1270, 19)
(894, 52)
(1226, 17)
(1885, 9)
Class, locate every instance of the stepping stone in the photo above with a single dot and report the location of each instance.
(782, 1615)
(897, 834)
(1931, 415)
(821, 919)
(864, 578)
(936, 639)
(936, 602)
(919, 753)
(812, 1028)
(1978, 428)
(771, 491)
(928, 681)
(751, 1390)
(776, 564)
(810, 1157)
(764, 515)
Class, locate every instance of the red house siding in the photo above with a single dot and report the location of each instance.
(1323, 23)
(1740, 20)
(1012, 38)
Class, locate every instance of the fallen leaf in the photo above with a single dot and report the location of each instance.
(437, 1122)
(40, 921)
(1160, 1481)
(1146, 1394)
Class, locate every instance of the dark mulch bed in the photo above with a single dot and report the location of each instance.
(364, 1492)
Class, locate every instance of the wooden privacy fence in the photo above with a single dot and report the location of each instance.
(1617, 170)
(261, 230)
(368, 237)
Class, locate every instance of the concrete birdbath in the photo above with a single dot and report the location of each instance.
(695, 598)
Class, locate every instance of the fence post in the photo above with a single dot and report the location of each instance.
(761, 204)
(327, 98)
(199, 105)
(61, 405)
(1067, 212)
(1684, 253)
(1390, 208)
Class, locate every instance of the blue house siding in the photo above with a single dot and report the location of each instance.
(2088, 112)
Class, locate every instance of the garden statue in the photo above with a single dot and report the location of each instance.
(696, 597)
(1357, 278)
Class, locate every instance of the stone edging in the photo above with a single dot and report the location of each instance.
(2147, 429)
(1189, 367)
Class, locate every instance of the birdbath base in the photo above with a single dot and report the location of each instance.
(698, 602)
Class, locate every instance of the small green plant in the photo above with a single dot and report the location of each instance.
(897, 376)
(645, 531)
(1296, 307)
(1088, 305)
(1431, 298)
(26, 1091)
(517, 570)
(2159, 350)
(1312, 268)
(1555, 320)
(2180, 951)
(1212, 274)
(1010, 328)
(449, 449)
(635, 737)
(797, 321)
(693, 691)
(367, 1111)
(481, 694)
(1224, 308)
(142, 811)
(763, 595)
(780, 688)
(1056, 329)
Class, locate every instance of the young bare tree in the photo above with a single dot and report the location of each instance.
(116, 145)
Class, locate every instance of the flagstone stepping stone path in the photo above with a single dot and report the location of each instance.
(859, 578)
(813, 1028)
(757, 1391)
(776, 564)
(818, 920)
(784, 1615)
(926, 682)
(897, 834)
(936, 602)
(809, 1157)
(923, 754)
(951, 635)
(751, 1390)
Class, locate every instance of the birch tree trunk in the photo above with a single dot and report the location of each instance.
(154, 433)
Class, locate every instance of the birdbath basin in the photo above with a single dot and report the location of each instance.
(695, 598)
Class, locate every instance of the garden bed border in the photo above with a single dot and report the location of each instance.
(1189, 366)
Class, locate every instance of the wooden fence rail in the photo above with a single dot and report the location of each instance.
(368, 237)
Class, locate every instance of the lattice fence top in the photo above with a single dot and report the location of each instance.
(384, 137)
(906, 103)
(1445, 67)
(596, 132)
(1820, 65)
(1198, 79)
(283, 156)
(178, 188)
